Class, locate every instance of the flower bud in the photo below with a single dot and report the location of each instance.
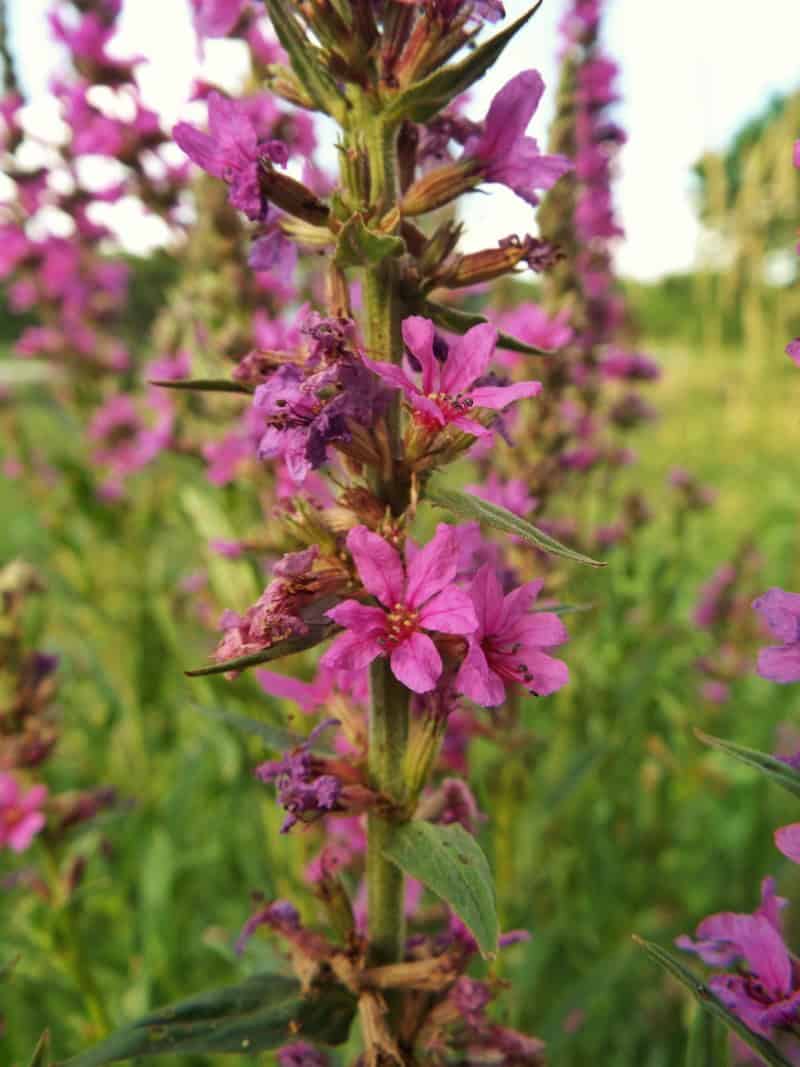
(291, 196)
(284, 83)
(441, 186)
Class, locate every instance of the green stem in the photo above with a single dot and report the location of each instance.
(388, 725)
(388, 737)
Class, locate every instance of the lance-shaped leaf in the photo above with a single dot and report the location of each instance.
(259, 1014)
(41, 1054)
(422, 101)
(305, 59)
(204, 385)
(776, 770)
(458, 321)
(275, 738)
(709, 1044)
(450, 862)
(466, 506)
(315, 636)
(360, 246)
(765, 1049)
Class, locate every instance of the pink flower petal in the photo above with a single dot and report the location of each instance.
(763, 948)
(429, 409)
(351, 651)
(354, 615)
(497, 397)
(468, 359)
(509, 115)
(34, 798)
(478, 681)
(449, 612)
(432, 568)
(25, 830)
(780, 663)
(520, 601)
(307, 695)
(416, 663)
(9, 790)
(549, 674)
(418, 335)
(787, 841)
(536, 630)
(379, 565)
(487, 596)
(781, 612)
(393, 375)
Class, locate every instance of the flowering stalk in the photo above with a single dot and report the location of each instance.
(388, 711)
(439, 629)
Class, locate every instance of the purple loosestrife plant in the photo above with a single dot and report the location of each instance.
(359, 415)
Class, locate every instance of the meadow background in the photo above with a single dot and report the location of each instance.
(608, 817)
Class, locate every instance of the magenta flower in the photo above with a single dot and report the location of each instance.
(787, 839)
(531, 323)
(504, 153)
(449, 377)
(717, 935)
(765, 991)
(781, 612)
(767, 995)
(21, 817)
(793, 350)
(301, 1054)
(215, 18)
(417, 599)
(508, 643)
(305, 791)
(232, 150)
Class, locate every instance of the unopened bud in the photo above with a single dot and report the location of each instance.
(422, 753)
(291, 196)
(441, 186)
(284, 83)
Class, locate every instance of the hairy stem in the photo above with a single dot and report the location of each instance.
(388, 725)
(388, 733)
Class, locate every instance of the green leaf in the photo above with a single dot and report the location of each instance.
(708, 1042)
(305, 59)
(466, 506)
(41, 1054)
(776, 770)
(359, 246)
(427, 98)
(765, 1049)
(450, 862)
(315, 636)
(458, 321)
(275, 738)
(259, 1014)
(204, 385)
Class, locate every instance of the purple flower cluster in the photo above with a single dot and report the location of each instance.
(764, 991)
(327, 399)
(304, 790)
(232, 150)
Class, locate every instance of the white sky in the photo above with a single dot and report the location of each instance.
(692, 72)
